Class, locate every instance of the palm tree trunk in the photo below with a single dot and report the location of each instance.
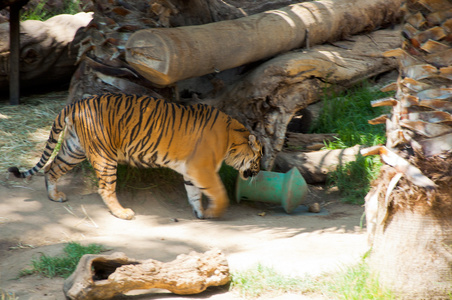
(409, 209)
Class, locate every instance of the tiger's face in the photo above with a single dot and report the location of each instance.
(246, 157)
(253, 169)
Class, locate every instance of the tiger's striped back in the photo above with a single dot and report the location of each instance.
(144, 131)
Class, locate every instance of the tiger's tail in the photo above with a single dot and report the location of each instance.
(57, 127)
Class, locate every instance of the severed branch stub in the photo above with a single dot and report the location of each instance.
(105, 276)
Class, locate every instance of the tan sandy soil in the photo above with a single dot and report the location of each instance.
(164, 227)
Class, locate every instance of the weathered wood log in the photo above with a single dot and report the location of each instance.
(314, 166)
(266, 99)
(168, 55)
(105, 276)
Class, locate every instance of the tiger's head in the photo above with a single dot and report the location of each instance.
(245, 157)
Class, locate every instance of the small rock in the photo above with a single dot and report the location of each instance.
(314, 208)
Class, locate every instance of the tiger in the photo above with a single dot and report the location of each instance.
(142, 131)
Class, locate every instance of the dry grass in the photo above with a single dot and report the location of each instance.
(25, 128)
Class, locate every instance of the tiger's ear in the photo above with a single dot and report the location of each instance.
(252, 141)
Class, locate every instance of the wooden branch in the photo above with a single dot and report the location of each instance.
(105, 276)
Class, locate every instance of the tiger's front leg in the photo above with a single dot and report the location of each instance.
(108, 195)
(211, 185)
(106, 174)
(194, 198)
(218, 200)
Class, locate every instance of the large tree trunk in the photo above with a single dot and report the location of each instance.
(409, 210)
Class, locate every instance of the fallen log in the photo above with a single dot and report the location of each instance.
(168, 55)
(315, 166)
(105, 276)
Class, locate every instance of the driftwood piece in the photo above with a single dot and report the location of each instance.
(314, 166)
(168, 55)
(105, 276)
(267, 98)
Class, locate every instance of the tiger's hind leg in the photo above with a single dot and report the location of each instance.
(70, 154)
(106, 169)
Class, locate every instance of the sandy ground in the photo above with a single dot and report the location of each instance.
(164, 227)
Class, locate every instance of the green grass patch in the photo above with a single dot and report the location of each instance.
(353, 179)
(40, 13)
(62, 266)
(347, 114)
(261, 281)
(354, 282)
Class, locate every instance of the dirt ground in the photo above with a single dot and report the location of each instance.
(164, 227)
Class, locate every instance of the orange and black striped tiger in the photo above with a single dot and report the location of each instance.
(147, 132)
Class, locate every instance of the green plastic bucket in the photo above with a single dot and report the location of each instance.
(288, 189)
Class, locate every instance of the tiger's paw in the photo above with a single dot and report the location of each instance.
(198, 214)
(57, 197)
(125, 214)
(212, 213)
